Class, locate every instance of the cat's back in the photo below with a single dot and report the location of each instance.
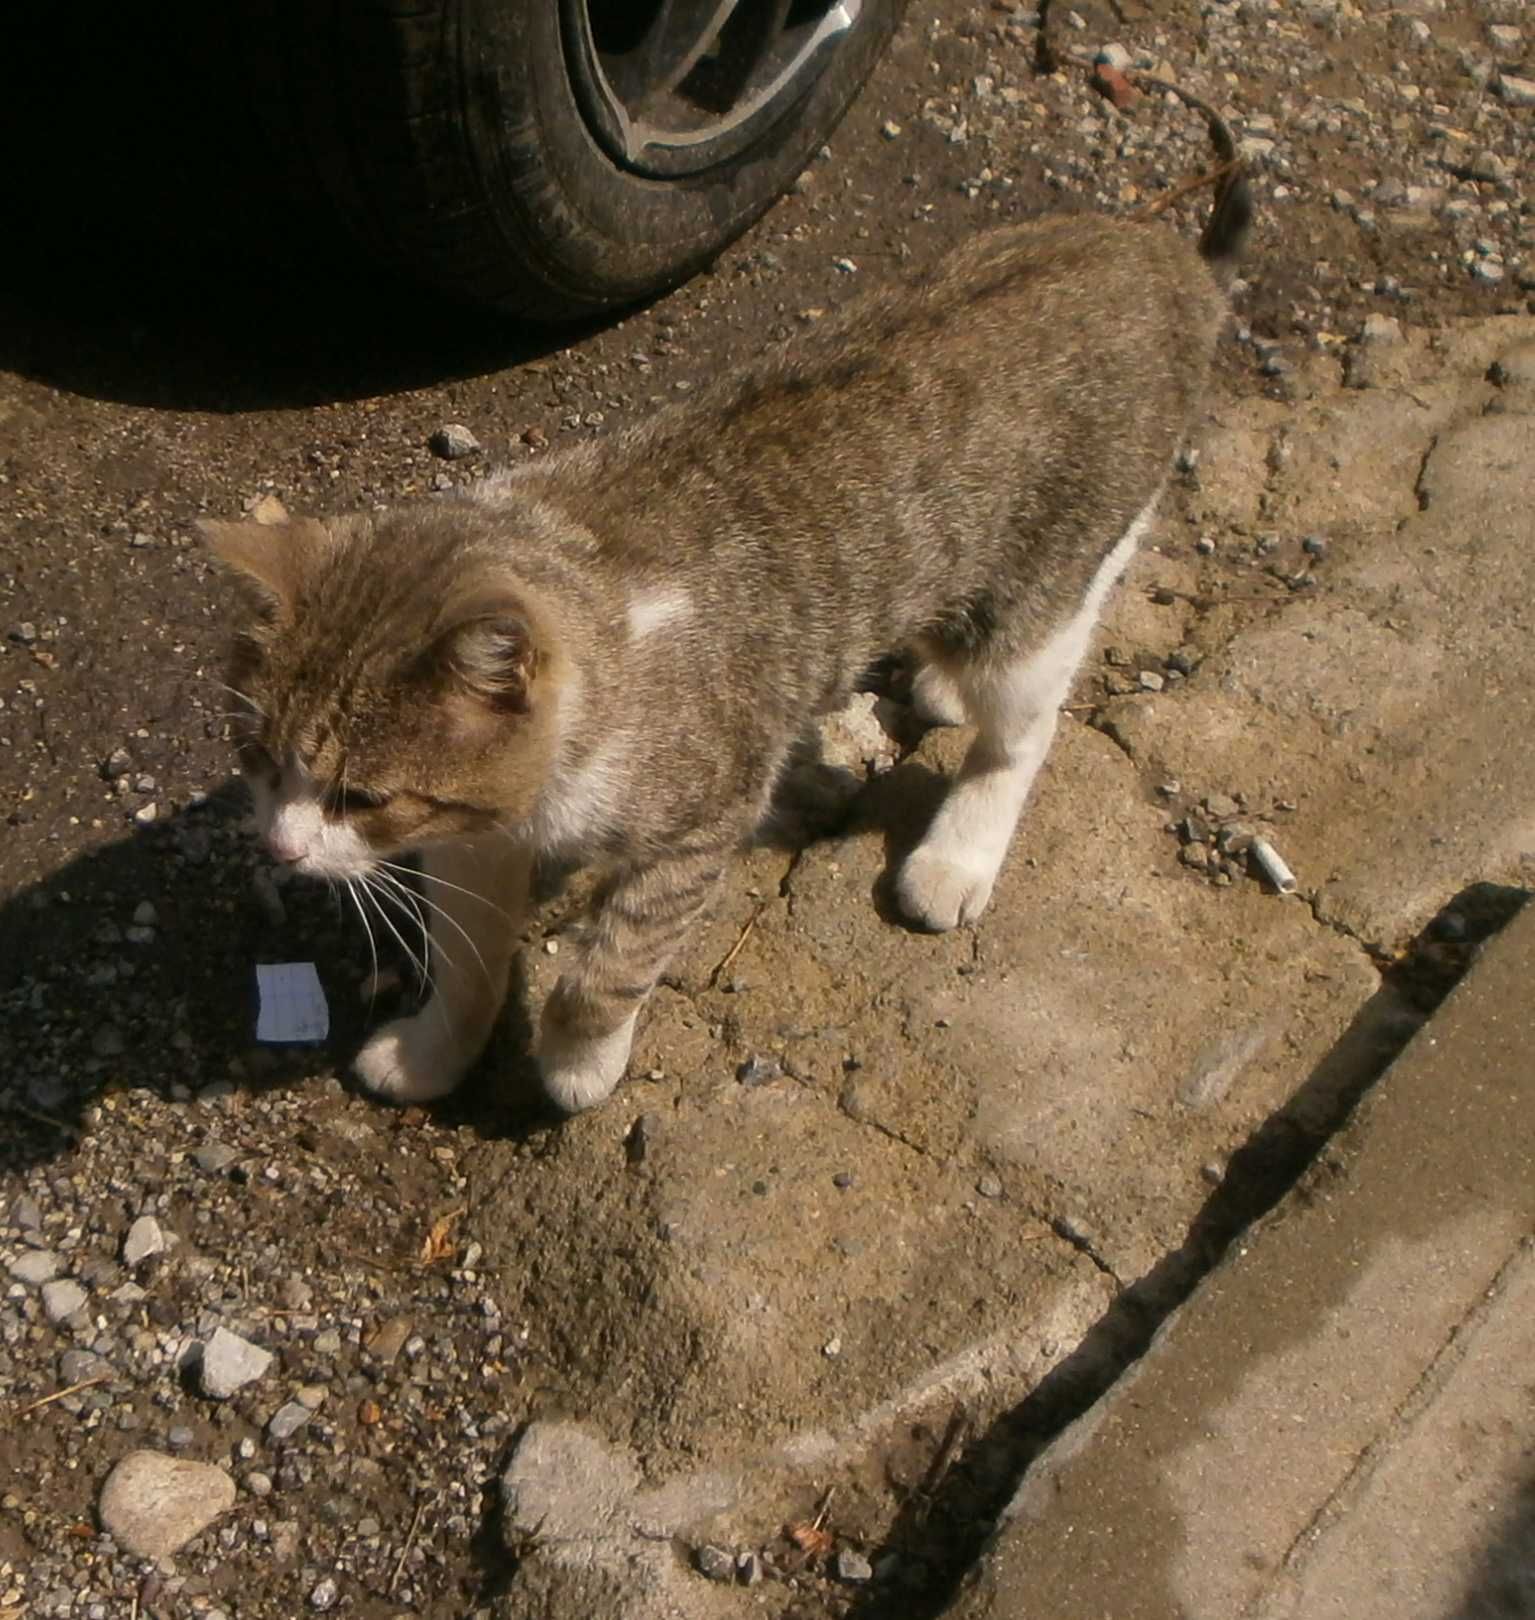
(1078, 285)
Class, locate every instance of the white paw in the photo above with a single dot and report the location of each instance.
(412, 1059)
(935, 699)
(938, 894)
(578, 1073)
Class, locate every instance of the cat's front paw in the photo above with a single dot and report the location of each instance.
(938, 893)
(412, 1060)
(580, 1071)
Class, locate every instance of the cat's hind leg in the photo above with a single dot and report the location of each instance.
(947, 879)
(936, 699)
(473, 899)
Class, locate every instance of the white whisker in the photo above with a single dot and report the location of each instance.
(452, 922)
(367, 928)
(457, 888)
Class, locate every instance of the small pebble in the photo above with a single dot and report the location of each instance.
(230, 1363)
(716, 1563)
(453, 442)
(324, 1595)
(258, 1484)
(144, 1239)
(35, 1267)
(179, 1437)
(853, 1567)
(758, 1071)
(989, 1187)
(287, 1420)
(842, 1179)
(63, 1298)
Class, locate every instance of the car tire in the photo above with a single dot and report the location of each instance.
(463, 140)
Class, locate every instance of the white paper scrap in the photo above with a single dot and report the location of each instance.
(292, 1003)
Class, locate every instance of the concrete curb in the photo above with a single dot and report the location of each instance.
(1341, 1421)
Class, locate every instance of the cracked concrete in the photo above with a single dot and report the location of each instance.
(976, 1142)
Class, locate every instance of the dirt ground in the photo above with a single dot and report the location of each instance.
(797, 1323)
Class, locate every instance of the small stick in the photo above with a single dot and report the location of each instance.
(410, 1541)
(59, 1394)
(944, 1456)
(735, 950)
(820, 1517)
(1211, 177)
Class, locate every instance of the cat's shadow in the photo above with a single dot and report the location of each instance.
(98, 994)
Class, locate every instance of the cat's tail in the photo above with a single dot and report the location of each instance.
(1224, 238)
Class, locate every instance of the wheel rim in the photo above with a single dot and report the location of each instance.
(674, 87)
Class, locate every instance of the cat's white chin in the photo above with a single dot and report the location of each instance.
(580, 1072)
(411, 1060)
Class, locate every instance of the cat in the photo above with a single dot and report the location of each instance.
(610, 652)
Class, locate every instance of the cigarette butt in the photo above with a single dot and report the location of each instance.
(1272, 865)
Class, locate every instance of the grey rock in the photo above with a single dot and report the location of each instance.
(989, 1186)
(1381, 329)
(287, 1420)
(1488, 270)
(749, 1568)
(758, 1071)
(145, 915)
(258, 1483)
(1516, 92)
(75, 1366)
(1151, 681)
(26, 1214)
(453, 442)
(716, 1563)
(1115, 56)
(35, 1267)
(144, 1239)
(853, 1567)
(324, 1595)
(62, 1298)
(214, 1157)
(180, 1437)
(1221, 805)
(230, 1363)
(118, 763)
(152, 1505)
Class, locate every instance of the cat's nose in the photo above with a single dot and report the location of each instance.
(285, 848)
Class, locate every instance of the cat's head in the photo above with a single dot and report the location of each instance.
(392, 687)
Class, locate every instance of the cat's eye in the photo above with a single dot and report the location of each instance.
(351, 801)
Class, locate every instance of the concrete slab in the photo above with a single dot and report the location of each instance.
(1341, 1421)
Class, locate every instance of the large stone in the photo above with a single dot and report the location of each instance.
(153, 1505)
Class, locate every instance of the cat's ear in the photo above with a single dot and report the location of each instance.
(488, 651)
(272, 560)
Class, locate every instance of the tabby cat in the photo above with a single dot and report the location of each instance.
(611, 651)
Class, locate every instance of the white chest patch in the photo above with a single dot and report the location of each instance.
(654, 610)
